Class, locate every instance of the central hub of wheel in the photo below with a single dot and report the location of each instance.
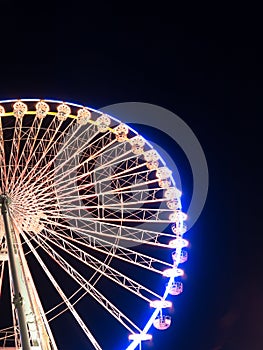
(4, 203)
(4, 198)
(27, 212)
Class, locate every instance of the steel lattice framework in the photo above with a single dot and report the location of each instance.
(86, 192)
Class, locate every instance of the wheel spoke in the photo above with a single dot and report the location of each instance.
(63, 296)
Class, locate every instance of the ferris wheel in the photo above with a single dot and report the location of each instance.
(89, 207)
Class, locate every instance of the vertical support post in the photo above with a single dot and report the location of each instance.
(17, 297)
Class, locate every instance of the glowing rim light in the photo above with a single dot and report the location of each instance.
(178, 243)
(173, 272)
(160, 303)
(140, 336)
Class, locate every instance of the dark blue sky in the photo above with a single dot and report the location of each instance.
(205, 65)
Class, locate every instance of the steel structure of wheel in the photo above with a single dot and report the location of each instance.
(91, 229)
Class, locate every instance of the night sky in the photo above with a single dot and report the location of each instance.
(205, 65)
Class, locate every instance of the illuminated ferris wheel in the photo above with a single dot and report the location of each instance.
(84, 196)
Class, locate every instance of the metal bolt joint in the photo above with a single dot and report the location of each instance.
(17, 300)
